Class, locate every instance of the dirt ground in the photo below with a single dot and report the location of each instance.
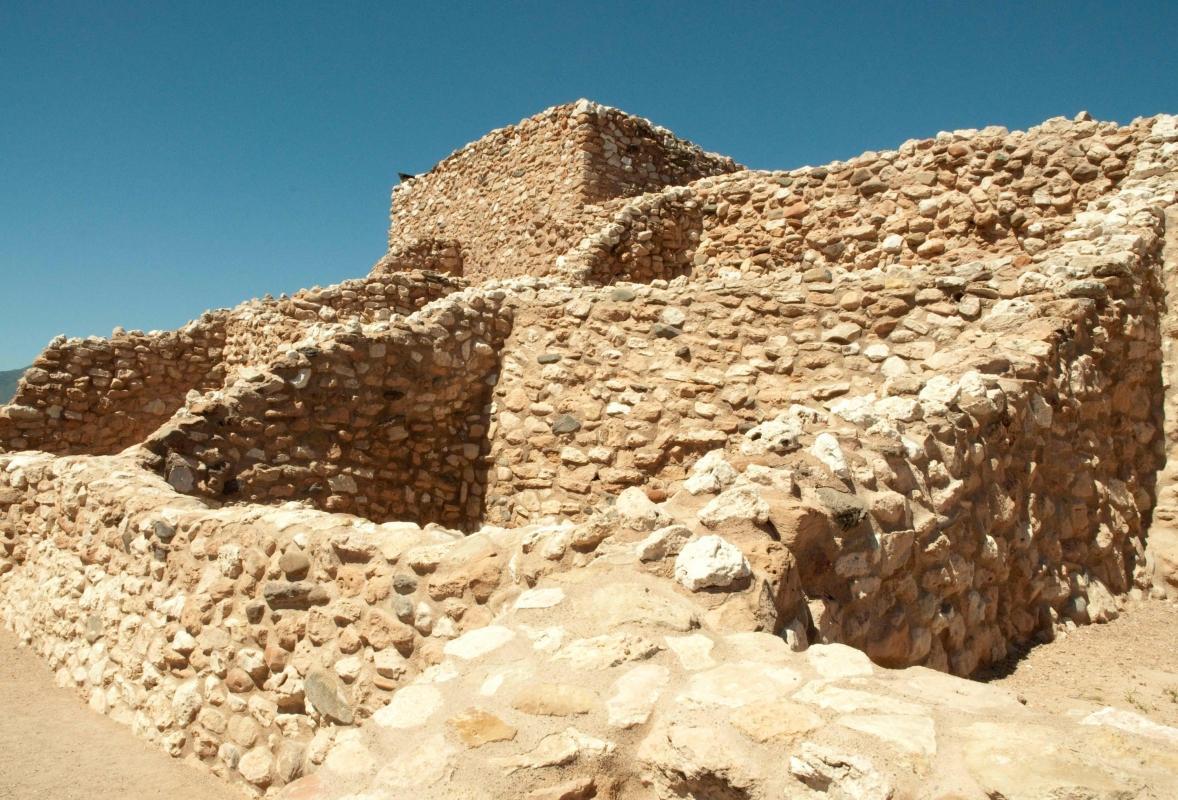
(1129, 663)
(53, 747)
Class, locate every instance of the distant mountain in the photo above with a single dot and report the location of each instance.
(8, 381)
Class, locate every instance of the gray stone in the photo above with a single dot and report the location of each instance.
(324, 692)
(566, 423)
(847, 509)
(297, 595)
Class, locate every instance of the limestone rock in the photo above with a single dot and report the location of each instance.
(710, 562)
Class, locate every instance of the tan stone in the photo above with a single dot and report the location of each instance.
(476, 727)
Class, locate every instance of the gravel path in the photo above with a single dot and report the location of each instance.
(53, 747)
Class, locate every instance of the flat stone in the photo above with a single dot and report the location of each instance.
(846, 700)
(775, 720)
(350, 759)
(838, 661)
(605, 651)
(629, 603)
(635, 694)
(324, 692)
(910, 733)
(411, 707)
(555, 700)
(476, 727)
(565, 423)
(694, 651)
(734, 685)
(556, 750)
(539, 598)
(479, 642)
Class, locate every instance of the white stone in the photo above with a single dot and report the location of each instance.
(635, 694)
(737, 503)
(694, 650)
(826, 449)
(479, 642)
(711, 474)
(638, 511)
(710, 562)
(893, 367)
(913, 734)
(839, 774)
(1132, 723)
(664, 542)
(255, 766)
(539, 598)
(738, 684)
(892, 244)
(410, 707)
(838, 661)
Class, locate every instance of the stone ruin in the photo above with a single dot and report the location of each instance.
(630, 472)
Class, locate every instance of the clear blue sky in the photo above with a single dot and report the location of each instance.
(158, 159)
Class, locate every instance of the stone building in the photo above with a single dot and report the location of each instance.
(585, 489)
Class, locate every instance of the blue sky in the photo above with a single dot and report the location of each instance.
(158, 159)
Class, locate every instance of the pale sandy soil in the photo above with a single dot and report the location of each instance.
(1129, 663)
(52, 747)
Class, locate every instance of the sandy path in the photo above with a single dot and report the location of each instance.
(1129, 663)
(53, 747)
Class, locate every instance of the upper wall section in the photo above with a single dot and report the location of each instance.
(517, 198)
(956, 197)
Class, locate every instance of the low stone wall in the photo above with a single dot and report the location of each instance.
(259, 331)
(241, 637)
(515, 199)
(101, 396)
(388, 421)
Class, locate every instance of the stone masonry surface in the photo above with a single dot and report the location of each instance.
(628, 472)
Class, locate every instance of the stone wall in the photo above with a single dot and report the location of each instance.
(517, 198)
(241, 637)
(958, 196)
(101, 396)
(387, 420)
